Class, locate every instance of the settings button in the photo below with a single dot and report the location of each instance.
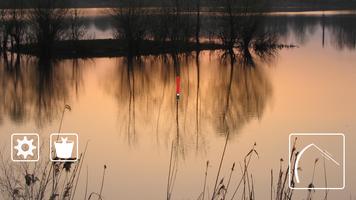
(24, 147)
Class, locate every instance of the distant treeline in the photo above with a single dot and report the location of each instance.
(211, 5)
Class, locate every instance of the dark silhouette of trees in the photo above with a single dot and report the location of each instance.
(177, 25)
(47, 22)
(12, 27)
(175, 22)
(197, 27)
(129, 24)
(3, 30)
(229, 25)
(242, 27)
(77, 28)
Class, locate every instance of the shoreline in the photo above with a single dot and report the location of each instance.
(288, 7)
(68, 49)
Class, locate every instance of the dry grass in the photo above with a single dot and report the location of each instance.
(44, 180)
(244, 185)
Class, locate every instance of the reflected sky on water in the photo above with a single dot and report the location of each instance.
(128, 110)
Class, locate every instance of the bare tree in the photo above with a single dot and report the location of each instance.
(242, 26)
(3, 31)
(197, 28)
(17, 25)
(47, 26)
(229, 25)
(77, 27)
(160, 30)
(181, 24)
(12, 28)
(129, 24)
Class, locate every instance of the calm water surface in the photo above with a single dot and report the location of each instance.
(127, 109)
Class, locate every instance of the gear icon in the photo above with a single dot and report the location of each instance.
(20, 147)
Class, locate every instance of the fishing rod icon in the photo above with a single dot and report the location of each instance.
(319, 143)
(324, 153)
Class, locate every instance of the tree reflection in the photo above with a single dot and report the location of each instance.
(339, 30)
(49, 90)
(247, 91)
(14, 98)
(37, 88)
(217, 93)
(343, 28)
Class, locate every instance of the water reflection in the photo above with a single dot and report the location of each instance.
(37, 88)
(243, 94)
(218, 93)
(14, 95)
(50, 90)
(339, 28)
(345, 31)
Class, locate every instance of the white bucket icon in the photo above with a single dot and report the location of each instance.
(64, 148)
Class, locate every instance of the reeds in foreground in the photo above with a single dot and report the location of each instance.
(43, 180)
(244, 185)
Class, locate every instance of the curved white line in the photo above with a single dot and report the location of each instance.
(323, 152)
(297, 161)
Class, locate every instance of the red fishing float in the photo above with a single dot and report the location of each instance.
(178, 86)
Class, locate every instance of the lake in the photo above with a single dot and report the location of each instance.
(128, 112)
